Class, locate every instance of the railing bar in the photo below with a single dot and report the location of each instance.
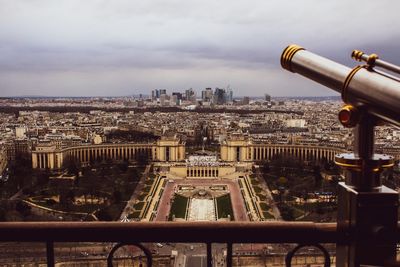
(229, 255)
(209, 255)
(50, 253)
(172, 232)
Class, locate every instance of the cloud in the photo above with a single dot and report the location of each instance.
(44, 42)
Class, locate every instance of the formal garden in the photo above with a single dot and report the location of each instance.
(143, 200)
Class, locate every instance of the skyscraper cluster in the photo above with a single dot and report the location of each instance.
(219, 96)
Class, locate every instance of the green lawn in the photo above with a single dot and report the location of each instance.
(257, 189)
(149, 182)
(134, 215)
(142, 196)
(146, 188)
(224, 206)
(262, 197)
(139, 205)
(264, 206)
(268, 215)
(254, 181)
(178, 208)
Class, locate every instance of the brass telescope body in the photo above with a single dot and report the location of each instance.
(375, 91)
(371, 97)
(366, 208)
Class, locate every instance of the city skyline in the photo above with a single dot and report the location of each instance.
(147, 95)
(124, 48)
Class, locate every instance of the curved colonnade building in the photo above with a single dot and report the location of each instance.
(242, 150)
(49, 156)
(171, 149)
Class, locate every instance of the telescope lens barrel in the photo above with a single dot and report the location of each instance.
(378, 93)
(319, 69)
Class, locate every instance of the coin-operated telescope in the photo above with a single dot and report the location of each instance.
(366, 209)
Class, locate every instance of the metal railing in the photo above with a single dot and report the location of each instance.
(301, 233)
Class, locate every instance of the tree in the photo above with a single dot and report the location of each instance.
(282, 181)
(104, 215)
(319, 208)
(92, 161)
(22, 169)
(317, 176)
(131, 136)
(123, 166)
(43, 177)
(265, 166)
(3, 213)
(70, 196)
(51, 202)
(77, 180)
(23, 208)
(286, 212)
(71, 165)
(117, 196)
(143, 159)
(304, 197)
(325, 163)
(134, 173)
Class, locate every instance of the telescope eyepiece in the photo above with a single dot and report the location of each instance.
(357, 55)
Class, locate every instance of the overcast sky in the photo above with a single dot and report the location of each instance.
(125, 47)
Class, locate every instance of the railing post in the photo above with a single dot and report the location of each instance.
(209, 255)
(229, 255)
(367, 211)
(50, 253)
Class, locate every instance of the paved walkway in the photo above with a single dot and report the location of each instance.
(239, 209)
(165, 201)
(201, 210)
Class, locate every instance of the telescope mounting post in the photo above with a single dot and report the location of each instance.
(367, 211)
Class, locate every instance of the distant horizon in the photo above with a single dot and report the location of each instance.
(148, 95)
